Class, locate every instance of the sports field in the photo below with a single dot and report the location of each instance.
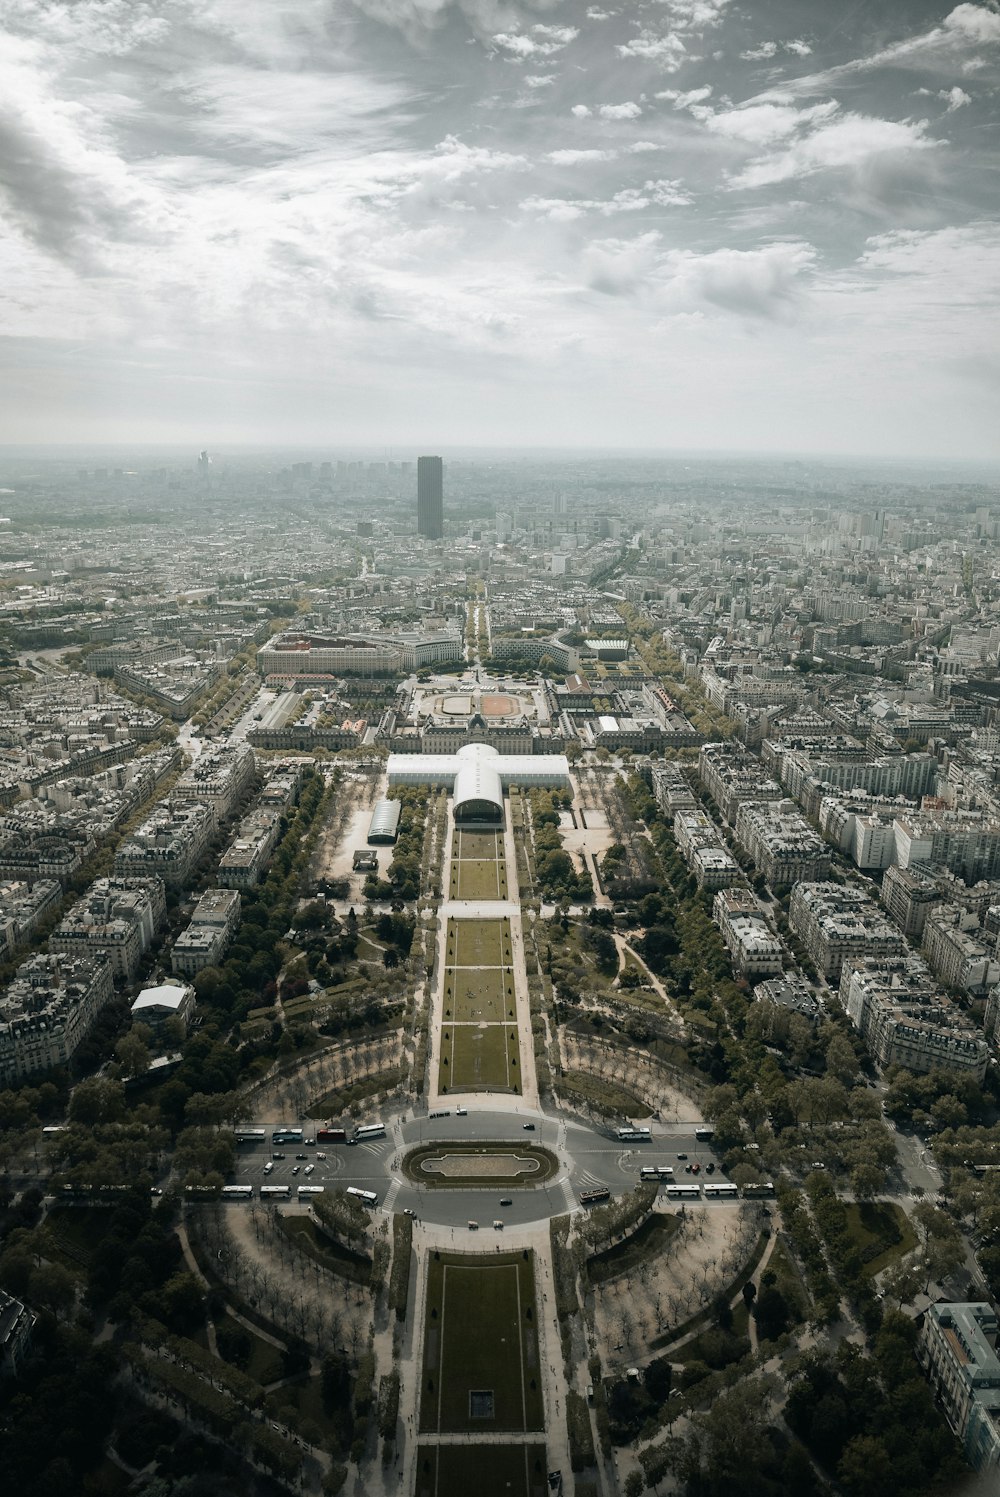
(478, 867)
(457, 1470)
(479, 1057)
(481, 1370)
(478, 994)
(479, 943)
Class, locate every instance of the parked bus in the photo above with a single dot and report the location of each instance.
(753, 1192)
(634, 1135)
(331, 1135)
(980, 1169)
(251, 1135)
(286, 1135)
(52, 1129)
(594, 1197)
(202, 1192)
(665, 1171)
(720, 1190)
(269, 1191)
(366, 1197)
(310, 1190)
(367, 1131)
(237, 1192)
(704, 1135)
(683, 1192)
(649, 1172)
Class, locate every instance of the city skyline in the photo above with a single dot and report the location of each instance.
(673, 227)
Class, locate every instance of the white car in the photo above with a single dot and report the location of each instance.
(319, 1155)
(308, 1169)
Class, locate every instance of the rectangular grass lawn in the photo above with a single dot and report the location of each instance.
(457, 1470)
(478, 994)
(479, 943)
(481, 1337)
(480, 1056)
(478, 845)
(479, 878)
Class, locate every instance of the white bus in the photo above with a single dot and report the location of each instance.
(237, 1192)
(665, 1171)
(368, 1130)
(683, 1192)
(764, 1188)
(649, 1172)
(267, 1191)
(634, 1135)
(366, 1197)
(310, 1190)
(720, 1190)
(250, 1135)
(286, 1135)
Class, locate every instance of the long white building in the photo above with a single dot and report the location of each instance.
(477, 777)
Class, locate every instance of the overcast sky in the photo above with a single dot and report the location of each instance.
(676, 223)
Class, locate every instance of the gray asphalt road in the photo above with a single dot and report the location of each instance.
(591, 1159)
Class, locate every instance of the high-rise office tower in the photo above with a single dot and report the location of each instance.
(430, 497)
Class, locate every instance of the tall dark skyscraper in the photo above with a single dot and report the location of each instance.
(430, 497)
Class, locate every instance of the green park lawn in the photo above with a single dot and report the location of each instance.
(478, 994)
(479, 1057)
(479, 943)
(481, 1335)
(478, 878)
(457, 1470)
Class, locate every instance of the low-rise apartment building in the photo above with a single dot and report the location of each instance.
(701, 847)
(245, 860)
(207, 938)
(220, 778)
(905, 1020)
(169, 844)
(753, 947)
(957, 956)
(48, 1010)
(957, 1348)
(117, 916)
(783, 846)
(733, 777)
(835, 922)
(22, 906)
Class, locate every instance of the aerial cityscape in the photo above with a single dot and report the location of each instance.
(499, 749)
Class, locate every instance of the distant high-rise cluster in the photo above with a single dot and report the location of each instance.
(430, 498)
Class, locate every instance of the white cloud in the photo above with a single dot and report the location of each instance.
(759, 54)
(762, 124)
(536, 80)
(975, 22)
(763, 283)
(668, 52)
(956, 98)
(942, 48)
(849, 140)
(694, 15)
(619, 267)
(797, 47)
(652, 194)
(684, 100)
(641, 147)
(572, 158)
(581, 111)
(595, 14)
(563, 35)
(627, 111)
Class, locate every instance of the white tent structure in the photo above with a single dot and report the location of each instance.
(477, 776)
